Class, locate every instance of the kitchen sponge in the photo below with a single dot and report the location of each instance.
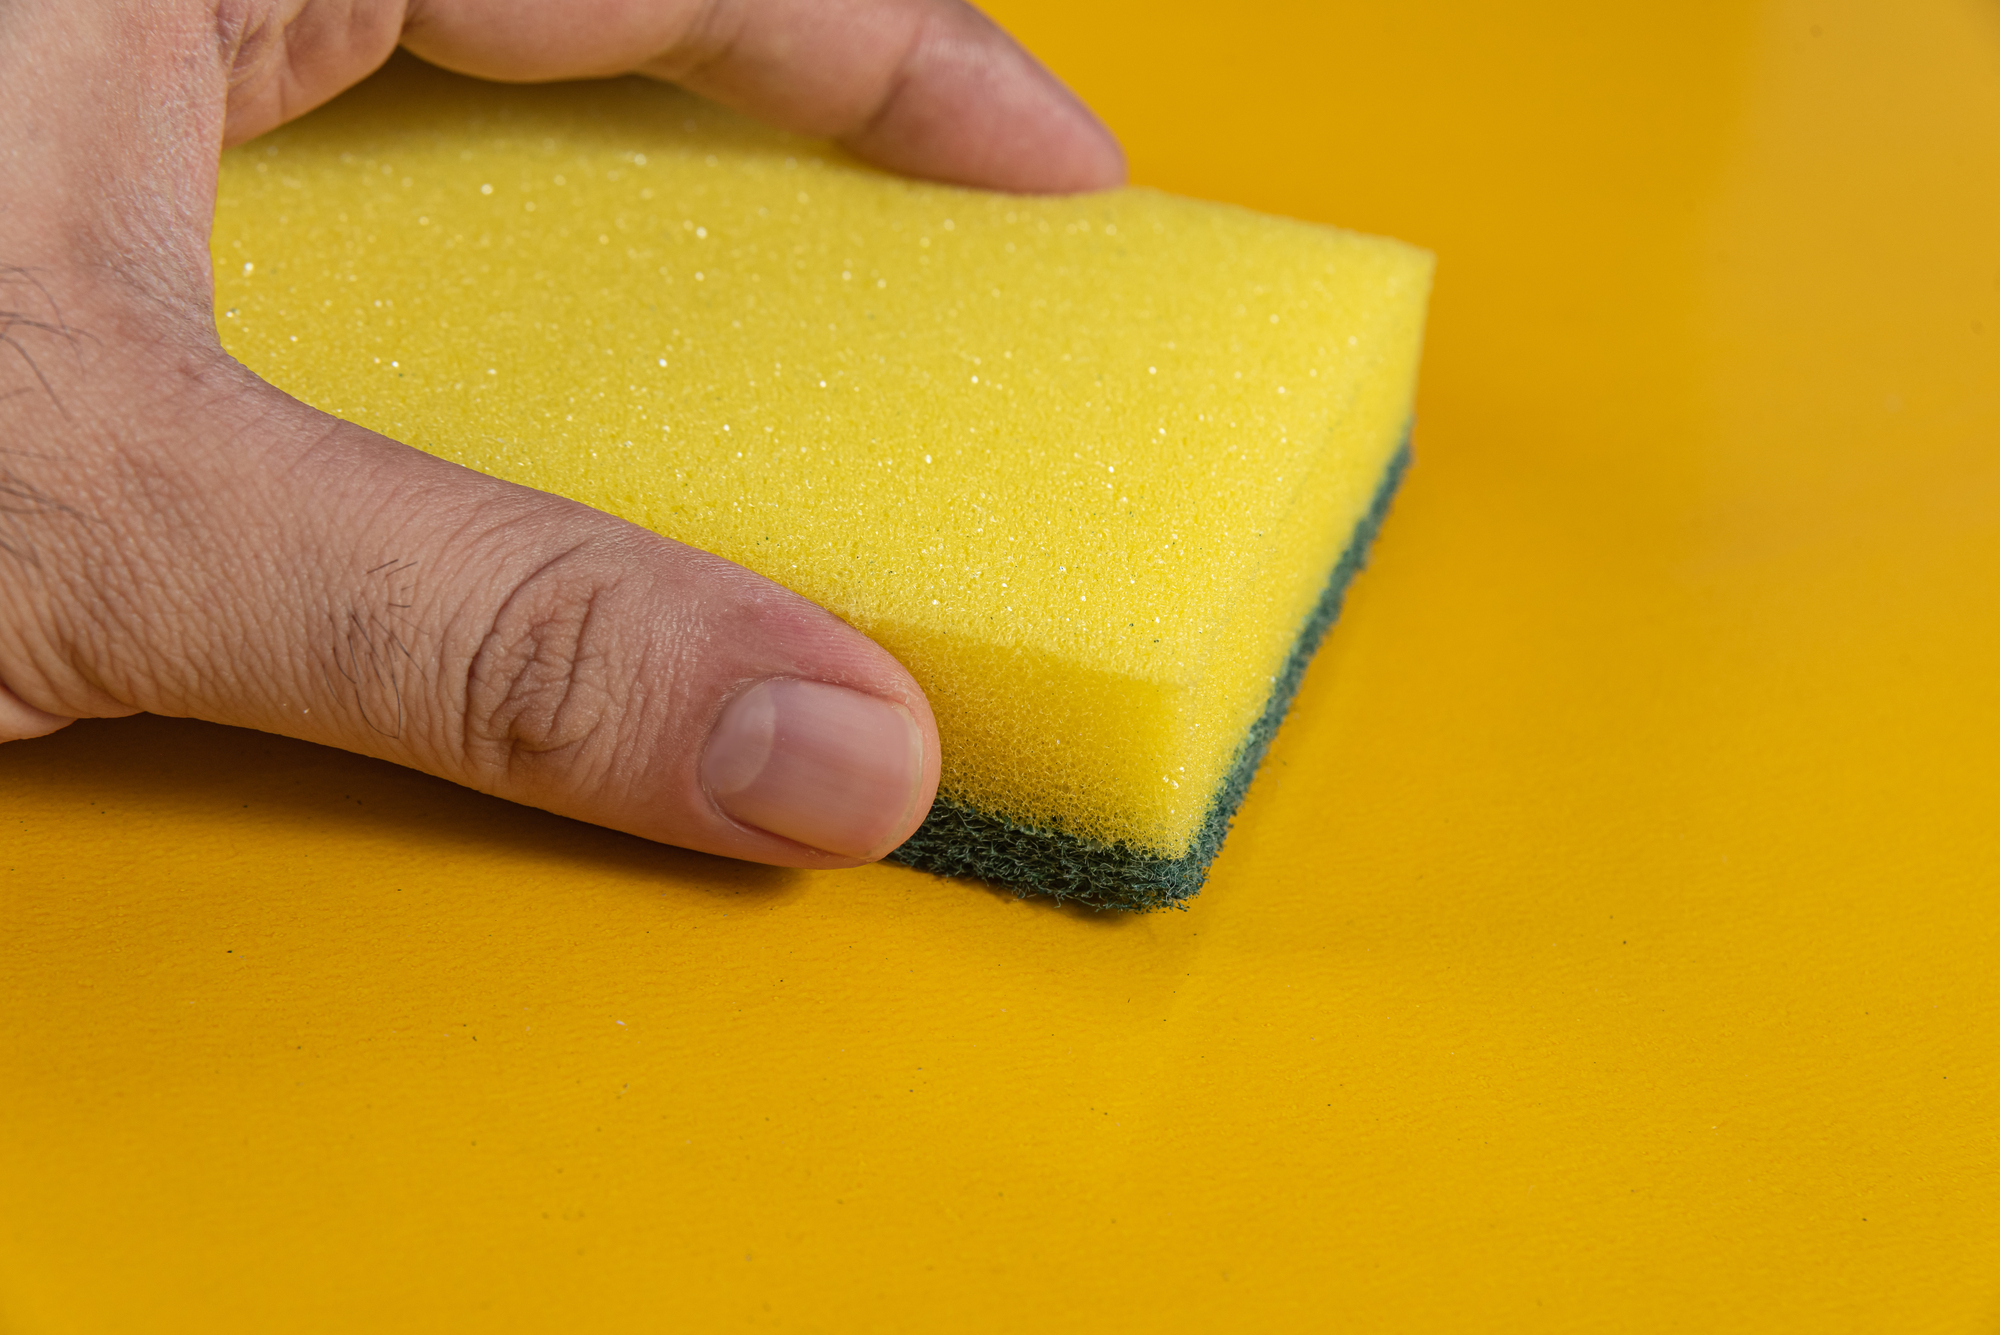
(1095, 469)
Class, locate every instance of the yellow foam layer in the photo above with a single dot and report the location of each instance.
(1082, 464)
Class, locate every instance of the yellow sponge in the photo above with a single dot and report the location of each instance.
(1087, 466)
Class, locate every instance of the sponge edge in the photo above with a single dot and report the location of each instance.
(959, 840)
(1082, 464)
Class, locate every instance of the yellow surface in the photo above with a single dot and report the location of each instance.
(1607, 946)
(1083, 465)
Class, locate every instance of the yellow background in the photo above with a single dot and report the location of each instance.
(1609, 943)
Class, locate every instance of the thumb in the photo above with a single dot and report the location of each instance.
(239, 557)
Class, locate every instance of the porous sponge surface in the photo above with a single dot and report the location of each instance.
(1083, 465)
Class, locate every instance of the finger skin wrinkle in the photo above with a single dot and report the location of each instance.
(285, 57)
(821, 69)
(711, 33)
(890, 99)
(538, 688)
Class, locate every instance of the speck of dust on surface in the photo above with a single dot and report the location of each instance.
(1246, 380)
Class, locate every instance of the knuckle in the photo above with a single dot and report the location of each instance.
(541, 685)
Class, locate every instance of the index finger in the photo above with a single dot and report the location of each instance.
(931, 88)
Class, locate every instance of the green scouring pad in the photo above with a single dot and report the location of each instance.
(1096, 469)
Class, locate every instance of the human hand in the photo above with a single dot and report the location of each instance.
(179, 537)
